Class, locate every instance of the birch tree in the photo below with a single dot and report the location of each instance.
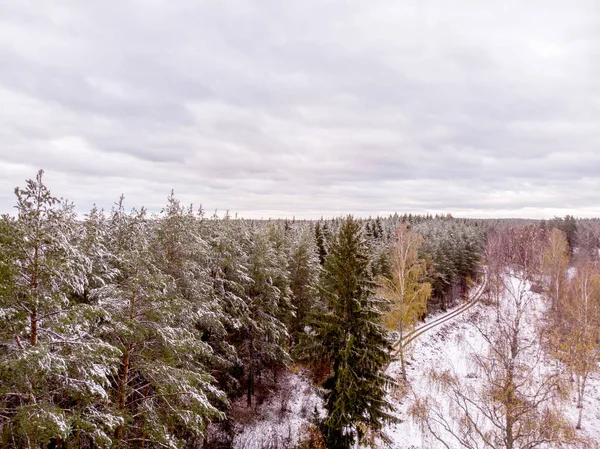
(576, 331)
(554, 267)
(517, 403)
(406, 288)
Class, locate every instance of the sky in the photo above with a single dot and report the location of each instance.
(305, 108)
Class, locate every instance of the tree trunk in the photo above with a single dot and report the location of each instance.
(123, 391)
(402, 363)
(124, 377)
(509, 435)
(34, 291)
(34, 326)
(580, 391)
(401, 350)
(250, 388)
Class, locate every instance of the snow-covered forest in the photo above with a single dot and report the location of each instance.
(127, 329)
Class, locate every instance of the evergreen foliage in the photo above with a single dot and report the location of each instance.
(304, 270)
(320, 239)
(263, 335)
(351, 337)
(55, 369)
(453, 250)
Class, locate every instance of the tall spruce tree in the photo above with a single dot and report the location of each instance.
(303, 269)
(351, 337)
(320, 240)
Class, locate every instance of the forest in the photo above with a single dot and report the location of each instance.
(130, 329)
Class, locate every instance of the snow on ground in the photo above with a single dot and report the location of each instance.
(445, 346)
(450, 346)
(279, 421)
(591, 409)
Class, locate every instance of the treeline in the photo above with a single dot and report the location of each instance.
(127, 329)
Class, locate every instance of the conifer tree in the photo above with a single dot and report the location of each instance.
(454, 250)
(163, 391)
(569, 227)
(351, 337)
(55, 371)
(304, 269)
(93, 244)
(264, 334)
(183, 253)
(320, 240)
(228, 269)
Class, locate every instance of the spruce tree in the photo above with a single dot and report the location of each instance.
(351, 337)
(303, 269)
(320, 240)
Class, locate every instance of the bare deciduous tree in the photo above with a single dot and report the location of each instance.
(554, 267)
(575, 332)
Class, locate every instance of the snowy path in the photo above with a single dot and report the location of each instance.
(411, 336)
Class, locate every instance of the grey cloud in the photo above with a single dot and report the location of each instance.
(304, 107)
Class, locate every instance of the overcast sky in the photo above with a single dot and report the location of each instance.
(304, 107)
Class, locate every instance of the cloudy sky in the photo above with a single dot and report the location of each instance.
(305, 107)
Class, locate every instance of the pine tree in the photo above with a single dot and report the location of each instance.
(351, 337)
(163, 391)
(228, 270)
(569, 227)
(264, 334)
(454, 250)
(378, 229)
(55, 371)
(182, 252)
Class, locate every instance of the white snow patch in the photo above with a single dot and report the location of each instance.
(279, 421)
